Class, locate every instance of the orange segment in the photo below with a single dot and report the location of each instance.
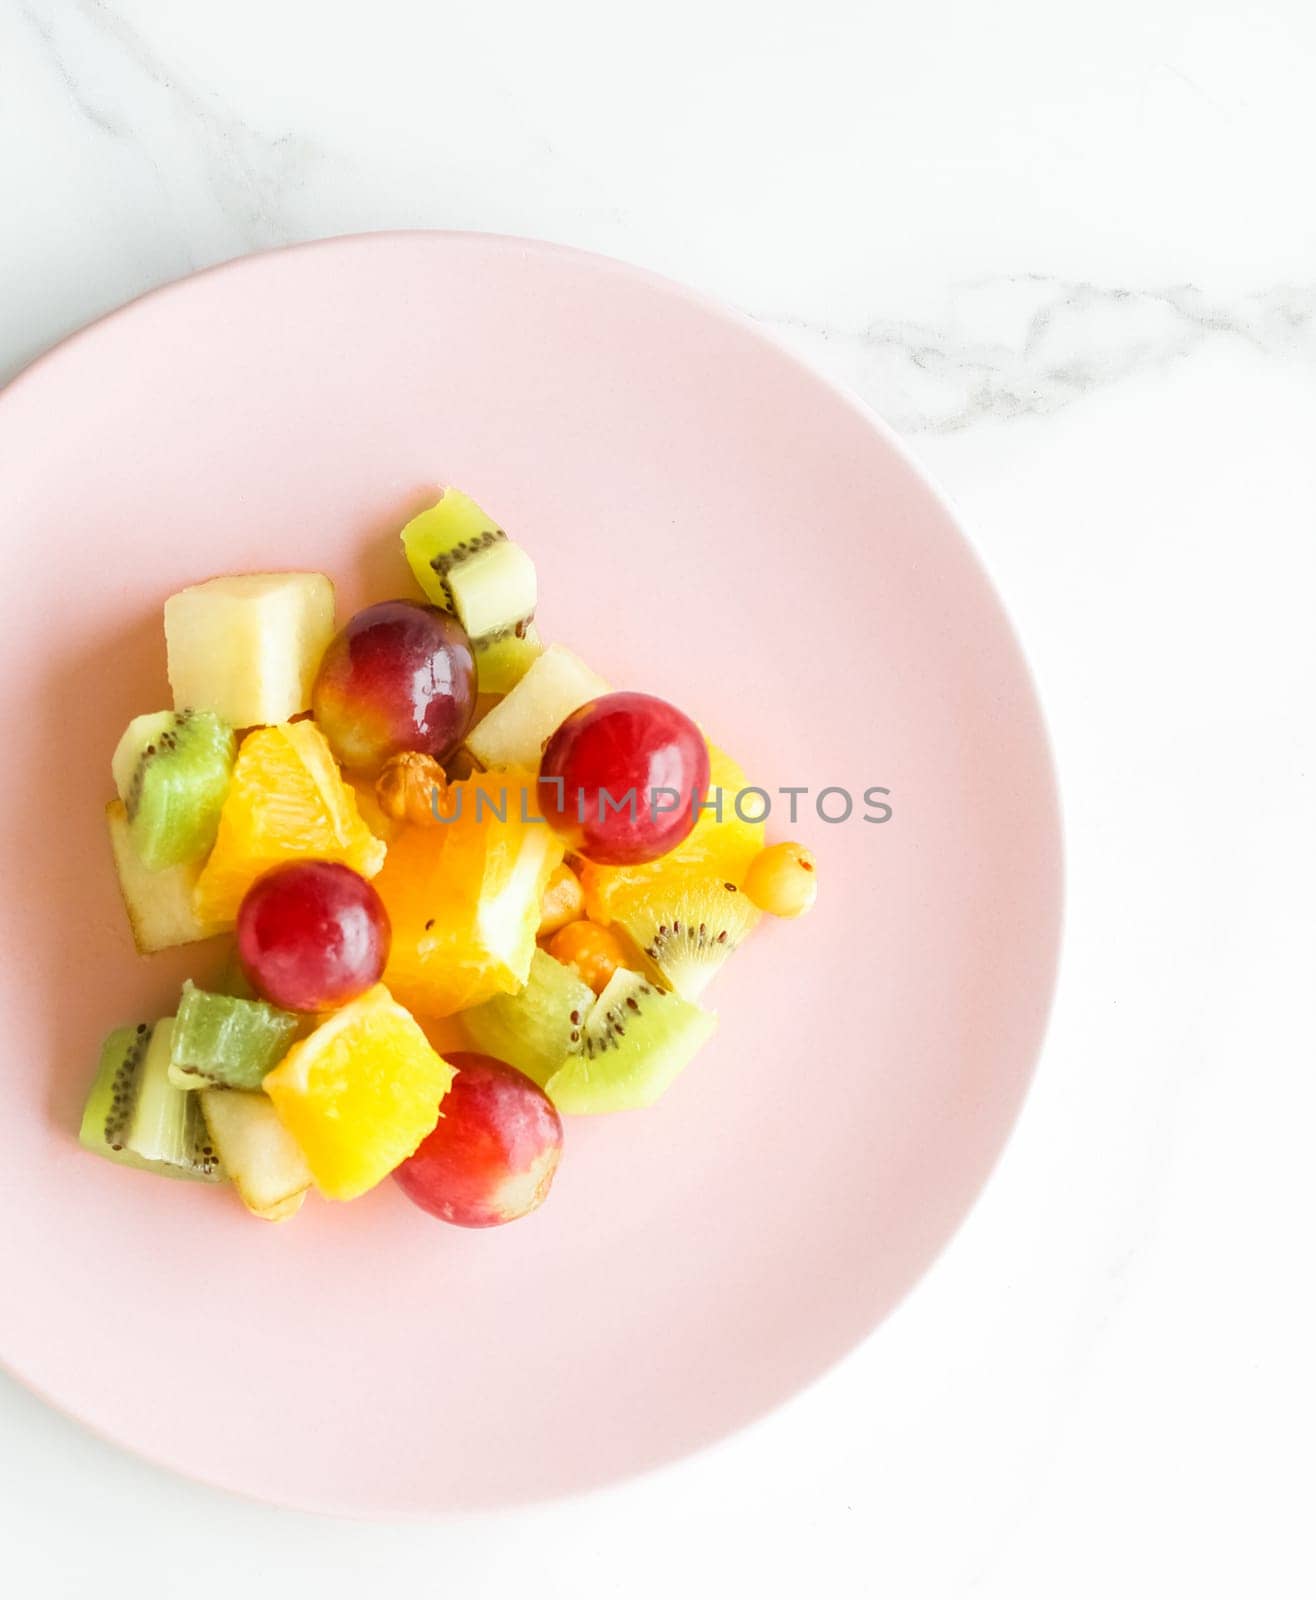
(360, 1093)
(286, 800)
(712, 849)
(463, 896)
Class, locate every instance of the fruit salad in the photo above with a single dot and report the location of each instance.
(423, 827)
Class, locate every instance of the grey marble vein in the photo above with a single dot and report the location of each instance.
(126, 90)
(995, 348)
(44, 32)
(1027, 345)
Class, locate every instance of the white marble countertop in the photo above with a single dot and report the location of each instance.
(1071, 255)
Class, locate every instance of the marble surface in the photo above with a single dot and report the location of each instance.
(1071, 256)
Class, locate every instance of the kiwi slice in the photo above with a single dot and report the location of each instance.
(135, 1116)
(172, 772)
(539, 1026)
(513, 732)
(221, 1041)
(503, 658)
(160, 907)
(686, 927)
(465, 563)
(638, 1039)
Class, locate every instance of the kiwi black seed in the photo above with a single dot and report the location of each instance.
(123, 1094)
(606, 1034)
(463, 550)
(540, 1025)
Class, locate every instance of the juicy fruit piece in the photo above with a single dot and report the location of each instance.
(464, 897)
(686, 927)
(172, 769)
(248, 647)
(287, 800)
(683, 910)
(135, 1116)
(539, 1026)
(312, 935)
(399, 676)
(719, 847)
(465, 563)
(637, 1041)
(220, 1040)
(514, 732)
(563, 902)
(492, 1156)
(494, 590)
(372, 814)
(360, 1093)
(503, 660)
(783, 880)
(160, 905)
(594, 953)
(458, 553)
(621, 778)
(262, 1158)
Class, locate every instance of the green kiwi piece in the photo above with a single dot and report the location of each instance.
(452, 533)
(637, 1040)
(494, 590)
(172, 771)
(687, 928)
(220, 1041)
(503, 659)
(135, 1116)
(539, 1026)
(109, 1105)
(465, 563)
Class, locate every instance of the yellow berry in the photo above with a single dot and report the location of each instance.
(594, 952)
(563, 902)
(783, 880)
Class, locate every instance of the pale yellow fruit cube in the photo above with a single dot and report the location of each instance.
(159, 904)
(262, 1158)
(248, 647)
(514, 733)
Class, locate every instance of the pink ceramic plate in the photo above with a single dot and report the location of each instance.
(711, 522)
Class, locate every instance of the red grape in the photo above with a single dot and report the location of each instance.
(400, 676)
(312, 935)
(493, 1154)
(619, 777)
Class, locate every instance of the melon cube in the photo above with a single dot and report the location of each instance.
(515, 732)
(248, 647)
(262, 1158)
(159, 904)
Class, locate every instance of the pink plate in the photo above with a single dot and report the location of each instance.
(712, 522)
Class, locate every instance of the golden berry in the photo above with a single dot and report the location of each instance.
(782, 880)
(406, 788)
(594, 952)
